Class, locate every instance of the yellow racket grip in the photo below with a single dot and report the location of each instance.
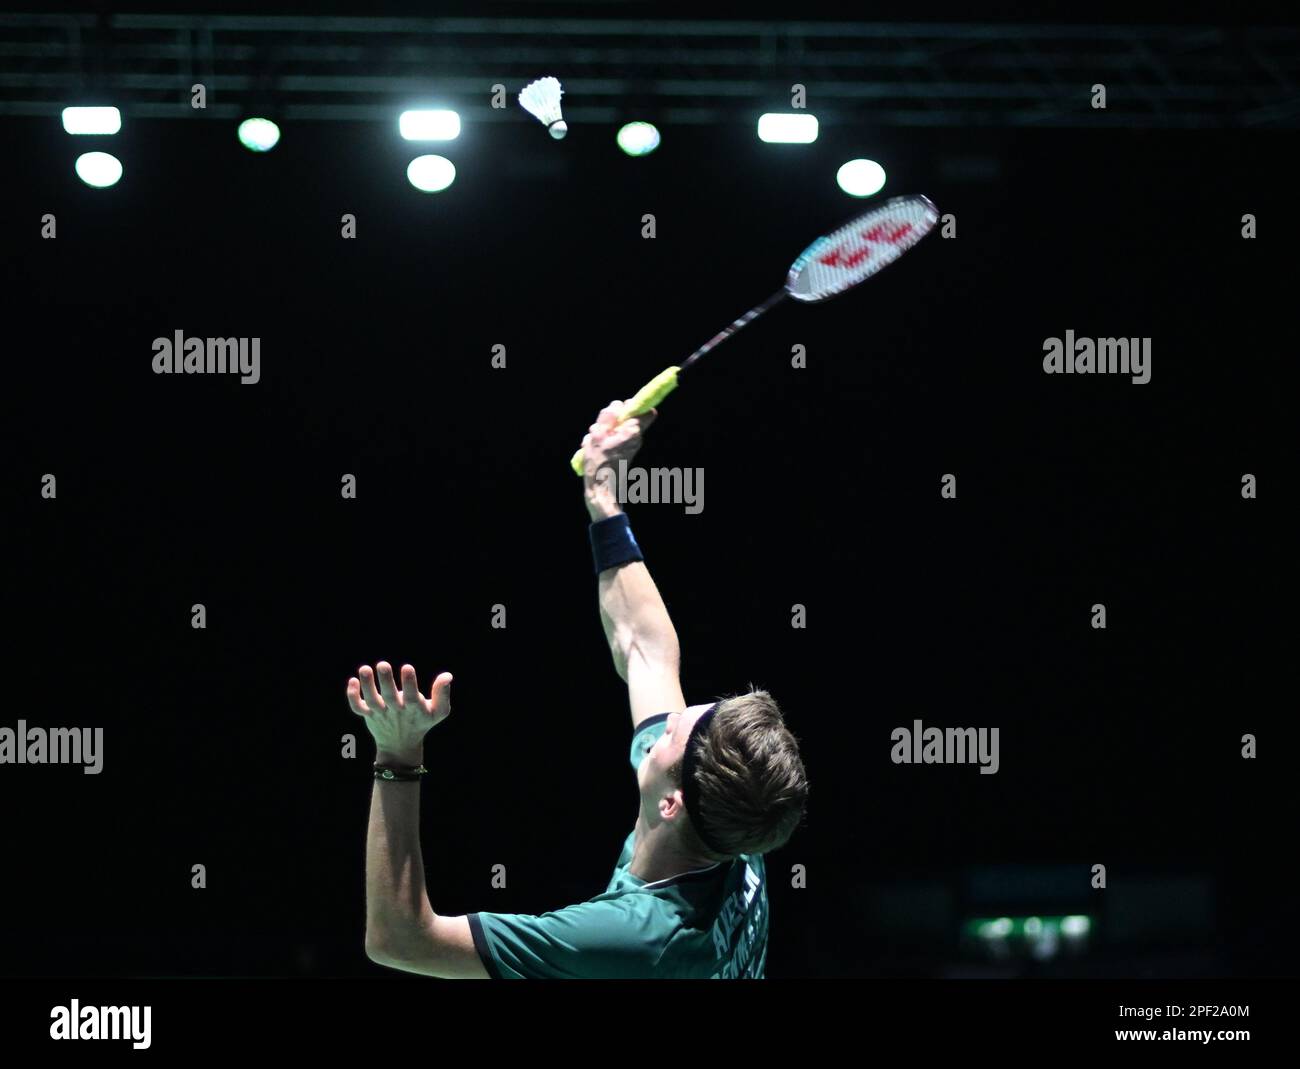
(645, 399)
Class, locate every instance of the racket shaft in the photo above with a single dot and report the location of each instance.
(739, 324)
(665, 382)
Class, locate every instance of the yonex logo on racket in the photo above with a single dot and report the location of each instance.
(850, 255)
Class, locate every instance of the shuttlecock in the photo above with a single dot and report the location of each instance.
(542, 99)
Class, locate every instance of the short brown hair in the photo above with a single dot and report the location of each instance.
(749, 777)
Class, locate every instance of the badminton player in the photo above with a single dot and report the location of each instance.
(721, 784)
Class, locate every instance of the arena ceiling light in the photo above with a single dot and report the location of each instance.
(96, 120)
(793, 128)
(861, 178)
(259, 135)
(638, 138)
(431, 174)
(98, 169)
(429, 125)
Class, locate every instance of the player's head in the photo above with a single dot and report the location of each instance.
(749, 788)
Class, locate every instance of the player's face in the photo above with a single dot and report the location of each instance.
(671, 746)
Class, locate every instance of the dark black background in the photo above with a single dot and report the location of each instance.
(222, 746)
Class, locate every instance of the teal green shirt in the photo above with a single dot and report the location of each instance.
(708, 923)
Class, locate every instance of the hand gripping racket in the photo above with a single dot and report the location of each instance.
(833, 263)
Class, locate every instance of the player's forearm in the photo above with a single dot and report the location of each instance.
(635, 617)
(632, 611)
(397, 904)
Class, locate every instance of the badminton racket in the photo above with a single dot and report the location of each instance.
(835, 262)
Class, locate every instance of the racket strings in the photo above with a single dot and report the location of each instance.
(860, 248)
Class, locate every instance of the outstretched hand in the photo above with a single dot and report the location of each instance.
(398, 719)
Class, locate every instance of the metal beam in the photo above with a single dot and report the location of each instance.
(716, 71)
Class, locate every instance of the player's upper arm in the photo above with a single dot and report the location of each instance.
(445, 949)
(653, 685)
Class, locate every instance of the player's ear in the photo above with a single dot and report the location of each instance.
(670, 805)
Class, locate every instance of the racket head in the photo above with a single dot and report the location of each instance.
(866, 244)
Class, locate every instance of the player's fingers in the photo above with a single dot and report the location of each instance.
(628, 430)
(410, 688)
(354, 698)
(373, 699)
(620, 434)
(440, 698)
(387, 688)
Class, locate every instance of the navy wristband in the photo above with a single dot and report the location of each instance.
(612, 543)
